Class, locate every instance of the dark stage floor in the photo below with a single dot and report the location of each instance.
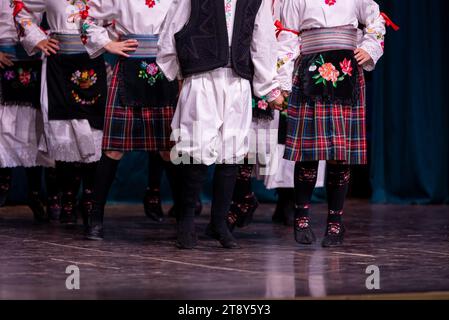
(138, 259)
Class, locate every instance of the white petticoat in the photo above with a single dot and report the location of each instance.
(271, 167)
(20, 132)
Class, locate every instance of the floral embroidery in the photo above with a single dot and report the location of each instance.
(284, 60)
(79, 9)
(346, 67)
(151, 3)
(327, 72)
(330, 2)
(228, 12)
(21, 77)
(150, 72)
(25, 77)
(10, 75)
(84, 79)
(80, 100)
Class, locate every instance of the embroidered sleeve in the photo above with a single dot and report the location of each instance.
(264, 52)
(289, 43)
(94, 17)
(374, 32)
(27, 15)
(167, 57)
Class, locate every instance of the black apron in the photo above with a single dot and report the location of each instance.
(21, 84)
(142, 85)
(77, 88)
(329, 76)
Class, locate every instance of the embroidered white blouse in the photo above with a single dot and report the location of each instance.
(130, 17)
(61, 18)
(310, 14)
(7, 28)
(263, 47)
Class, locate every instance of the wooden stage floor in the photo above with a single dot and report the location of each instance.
(138, 259)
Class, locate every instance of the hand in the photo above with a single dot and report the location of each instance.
(362, 56)
(5, 60)
(48, 47)
(278, 103)
(121, 48)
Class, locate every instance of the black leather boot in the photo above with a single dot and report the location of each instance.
(224, 236)
(37, 207)
(186, 237)
(285, 207)
(94, 229)
(303, 231)
(54, 207)
(86, 207)
(152, 205)
(334, 236)
(5, 184)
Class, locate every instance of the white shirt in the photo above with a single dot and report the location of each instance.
(311, 14)
(61, 18)
(263, 46)
(7, 28)
(129, 17)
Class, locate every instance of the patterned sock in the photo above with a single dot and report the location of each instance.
(243, 186)
(338, 177)
(305, 180)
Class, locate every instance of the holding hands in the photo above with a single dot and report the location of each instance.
(278, 103)
(121, 48)
(5, 60)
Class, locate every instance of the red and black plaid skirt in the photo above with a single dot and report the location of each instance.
(324, 131)
(135, 128)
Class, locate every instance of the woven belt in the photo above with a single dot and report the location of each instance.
(147, 45)
(69, 43)
(15, 50)
(328, 39)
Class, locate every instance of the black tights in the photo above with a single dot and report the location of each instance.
(338, 176)
(156, 166)
(155, 170)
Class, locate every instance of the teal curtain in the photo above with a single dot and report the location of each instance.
(410, 110)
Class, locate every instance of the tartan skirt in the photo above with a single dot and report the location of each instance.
(326, 131)
(135, 129)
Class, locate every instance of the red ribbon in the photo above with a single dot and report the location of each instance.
(280, 28)
(389, 22)
(18, 6)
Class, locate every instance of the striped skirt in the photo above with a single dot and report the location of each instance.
(325, 131)
(135, 129)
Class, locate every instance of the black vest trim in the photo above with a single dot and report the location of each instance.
(203, 44)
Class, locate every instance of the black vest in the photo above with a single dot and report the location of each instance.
(203, 44)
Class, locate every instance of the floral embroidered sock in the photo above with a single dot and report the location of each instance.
(305, 180)
(338, 177)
